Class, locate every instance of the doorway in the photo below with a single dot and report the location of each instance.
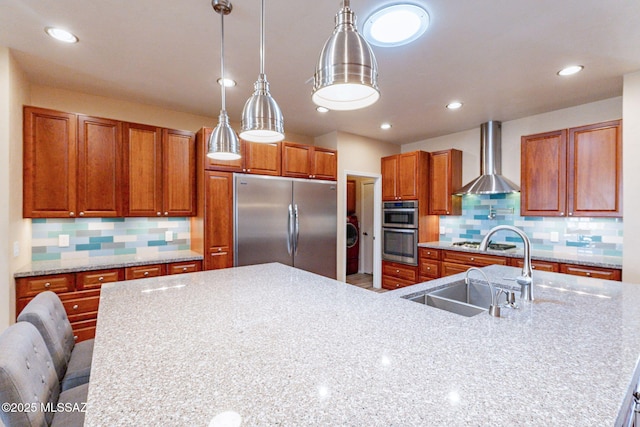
(363, 207)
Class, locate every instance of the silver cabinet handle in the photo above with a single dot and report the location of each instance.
(75, 307)
(71, 213)
(81, 214)
(100, 279)
(159, 214)
(166, 214)
(47, 285)
(146, 273)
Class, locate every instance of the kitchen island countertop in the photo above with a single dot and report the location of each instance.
(280, 346)
(602, 261)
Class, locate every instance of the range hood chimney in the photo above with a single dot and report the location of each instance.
(490, 180)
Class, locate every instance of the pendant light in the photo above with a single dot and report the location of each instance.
(223, 142)
(261, 117)
(347, 74)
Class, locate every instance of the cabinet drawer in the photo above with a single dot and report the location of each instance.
(95, 279)
(473, 259)
(31, 286)
(390, 282)
(429, 268)
(144, 271)
(594, 272)
(184, 267)
(429, 253)
(449, 269)
(84, 330)
(553, 267)
(219, 257)
(400, 271)
(77, 308)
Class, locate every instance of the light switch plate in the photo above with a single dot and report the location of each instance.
(63, 240)
(554, 237)
(443, 230)
(16, 248)
(168, 236)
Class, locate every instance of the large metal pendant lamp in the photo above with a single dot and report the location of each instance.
(261, 117)
(347, 74)
(223, 142)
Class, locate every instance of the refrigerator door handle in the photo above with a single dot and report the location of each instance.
(289, 231)
(297, 230)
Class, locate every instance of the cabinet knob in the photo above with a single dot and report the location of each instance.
(561, 214)
(166, 214)
(588, 274)
(447, 212)
(428, 268)
(75, 338)
(71, 213)
(248, 170)
(570, 213)
(428, 253)
(397, 285)
(159, 214)
(397, 271)
(472, 259)
(219, 249)
(81, 214)
(47, 285)
(75, 307)
(100, 279)
(184, 268)
(146, 273)
(533, 267)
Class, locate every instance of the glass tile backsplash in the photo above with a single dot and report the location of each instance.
(480, 213)
(89, 237)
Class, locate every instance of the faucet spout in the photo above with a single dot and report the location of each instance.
(494, 308)
(525, 279)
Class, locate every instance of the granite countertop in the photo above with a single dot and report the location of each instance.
(579, 259)
(275, 345)
(42, 268)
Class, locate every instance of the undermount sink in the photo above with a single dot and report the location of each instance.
(458, 297)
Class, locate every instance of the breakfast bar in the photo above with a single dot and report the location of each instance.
(274, 345)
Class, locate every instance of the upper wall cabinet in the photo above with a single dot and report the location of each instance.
(160, 173)
(574, 172)
(445, 177)
(72, 165)
(256, 158)
(404, 175)
(307, 161)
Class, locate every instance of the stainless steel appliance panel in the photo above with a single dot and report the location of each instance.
(400, 245)
(262, 220)
(400, 214)
(315, 213)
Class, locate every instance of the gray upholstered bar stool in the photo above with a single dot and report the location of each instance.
(72, 361)
(29, 384)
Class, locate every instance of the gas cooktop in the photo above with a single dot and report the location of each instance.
(492, 246)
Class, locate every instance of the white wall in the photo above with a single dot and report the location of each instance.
(355, 154)
(631, 177)
(469, 141)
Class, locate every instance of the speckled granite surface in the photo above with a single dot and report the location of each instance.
(280, 346)
(41, 268)
(579, 259)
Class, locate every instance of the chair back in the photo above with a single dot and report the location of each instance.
(47, 314)
(27, 377)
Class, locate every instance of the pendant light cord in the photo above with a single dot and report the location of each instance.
(224, 107)
(262, 38)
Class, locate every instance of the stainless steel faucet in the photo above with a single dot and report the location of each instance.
(494, 308)
(525, 279)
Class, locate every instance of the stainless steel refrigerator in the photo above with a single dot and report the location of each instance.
(286, 220)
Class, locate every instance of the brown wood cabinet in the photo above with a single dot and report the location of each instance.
(574, 172)
(552, 267)
(445, 177)
(454, 262)
(160, 171)
(429, 264)
(593, 272)
(80, 292)
(218, 218)
(307, 161)
(404, 176)
(351, 197)
(396, 275)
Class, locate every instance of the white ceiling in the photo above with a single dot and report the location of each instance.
(499, 57)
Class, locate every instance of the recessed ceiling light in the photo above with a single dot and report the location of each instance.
(227, 82)
(320, 109)
(572, 69)
(385, 126)
(61, 35)
(454, 105)
(396, 25)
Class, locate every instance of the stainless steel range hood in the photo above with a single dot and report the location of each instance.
(490, 180)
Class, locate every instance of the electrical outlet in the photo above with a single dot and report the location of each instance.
(16, 248)
(443, 230)
(63, 240)
(554, 237)
(168, 236)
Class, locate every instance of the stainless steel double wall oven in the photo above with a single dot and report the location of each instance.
(400, 232)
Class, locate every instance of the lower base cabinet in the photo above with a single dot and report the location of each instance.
(80, 292)
(396, 275)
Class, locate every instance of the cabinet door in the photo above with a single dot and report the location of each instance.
(389, 170)
(324, 164)
(351, 197)
(595, 170)
(262, 159)
(143, 170)
(144, 271)
(408, 175)
(178, 173)
(49, 164)
(544, 174)
(296, 160)
(445, 170)
(99, 167)
(218, 220)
